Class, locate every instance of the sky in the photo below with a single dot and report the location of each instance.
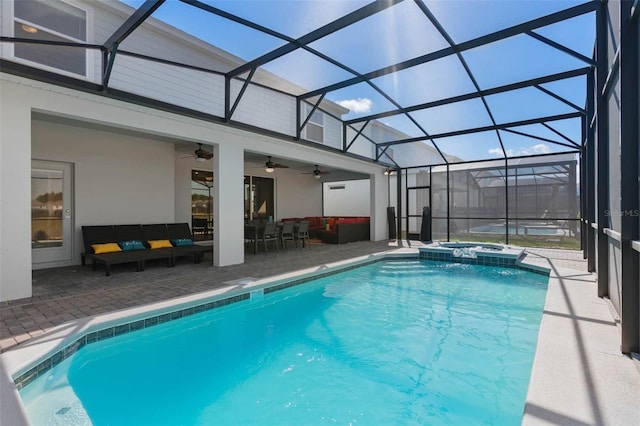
(403, 32)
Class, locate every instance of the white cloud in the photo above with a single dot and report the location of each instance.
(541, 148)
(359, 105)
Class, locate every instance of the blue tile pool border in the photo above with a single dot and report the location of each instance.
(485, 260)
(44, 366)
(95, 336)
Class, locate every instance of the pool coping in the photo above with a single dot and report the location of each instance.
(32, 357)
(22, 365)
(20, 360)
(579, 376)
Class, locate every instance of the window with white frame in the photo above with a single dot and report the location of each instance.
(52, 20)
(314, 130)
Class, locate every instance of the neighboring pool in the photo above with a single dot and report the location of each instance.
(394, 342)
(538, 230)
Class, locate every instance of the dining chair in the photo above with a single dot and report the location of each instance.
(303, 233)
(286, 233)
(270, 233)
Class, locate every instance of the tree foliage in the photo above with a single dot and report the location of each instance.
(49, 197)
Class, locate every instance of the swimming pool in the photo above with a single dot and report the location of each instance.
(394, 342)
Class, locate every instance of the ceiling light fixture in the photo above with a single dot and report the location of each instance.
(270, 165)
(29, 29)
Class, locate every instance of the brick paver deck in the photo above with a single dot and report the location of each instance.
(64, 294)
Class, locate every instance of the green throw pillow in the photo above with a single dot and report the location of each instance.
(180, 242)
(132, 245)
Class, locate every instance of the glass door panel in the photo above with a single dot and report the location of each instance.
(259, 197)
(51, 214)
(202, 204)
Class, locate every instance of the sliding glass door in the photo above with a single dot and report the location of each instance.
(259, 198)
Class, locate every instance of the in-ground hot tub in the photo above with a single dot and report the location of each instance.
(473, 252)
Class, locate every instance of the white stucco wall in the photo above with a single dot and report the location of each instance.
(228, 201)
(119, 179)
(353, 200)
(298, 195)
(15, 195)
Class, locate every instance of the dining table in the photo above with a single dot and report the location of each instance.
(251, 232)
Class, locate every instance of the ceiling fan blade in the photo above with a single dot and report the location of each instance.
(200, 153)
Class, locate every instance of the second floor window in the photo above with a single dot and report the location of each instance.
(315, 126)
(51, 20)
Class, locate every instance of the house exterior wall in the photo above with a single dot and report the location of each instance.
(265, 108)
(191, 89)
(408, 154)
(20, 97)
(15, 194)
(352, 200)
(188, 88)
(157, 189)
(296, 195)
(333, 132)
(104, 164)
(228, 203)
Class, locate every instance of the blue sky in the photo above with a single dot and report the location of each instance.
(402, 32)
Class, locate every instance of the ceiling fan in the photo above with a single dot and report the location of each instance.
(270, 166)
(317, 173)
(200, 154)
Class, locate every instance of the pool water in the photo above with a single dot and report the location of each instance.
(394, 342)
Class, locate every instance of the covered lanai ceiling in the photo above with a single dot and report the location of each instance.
(457, 81)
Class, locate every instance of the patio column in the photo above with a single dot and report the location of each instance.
(379, 201)
(228, 176)
(15, 194)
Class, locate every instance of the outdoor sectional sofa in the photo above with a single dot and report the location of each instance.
(116, 244)
(347, 230)
(337, 230)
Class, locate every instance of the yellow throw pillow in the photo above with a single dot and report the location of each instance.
(105, 248)
(156, 244)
